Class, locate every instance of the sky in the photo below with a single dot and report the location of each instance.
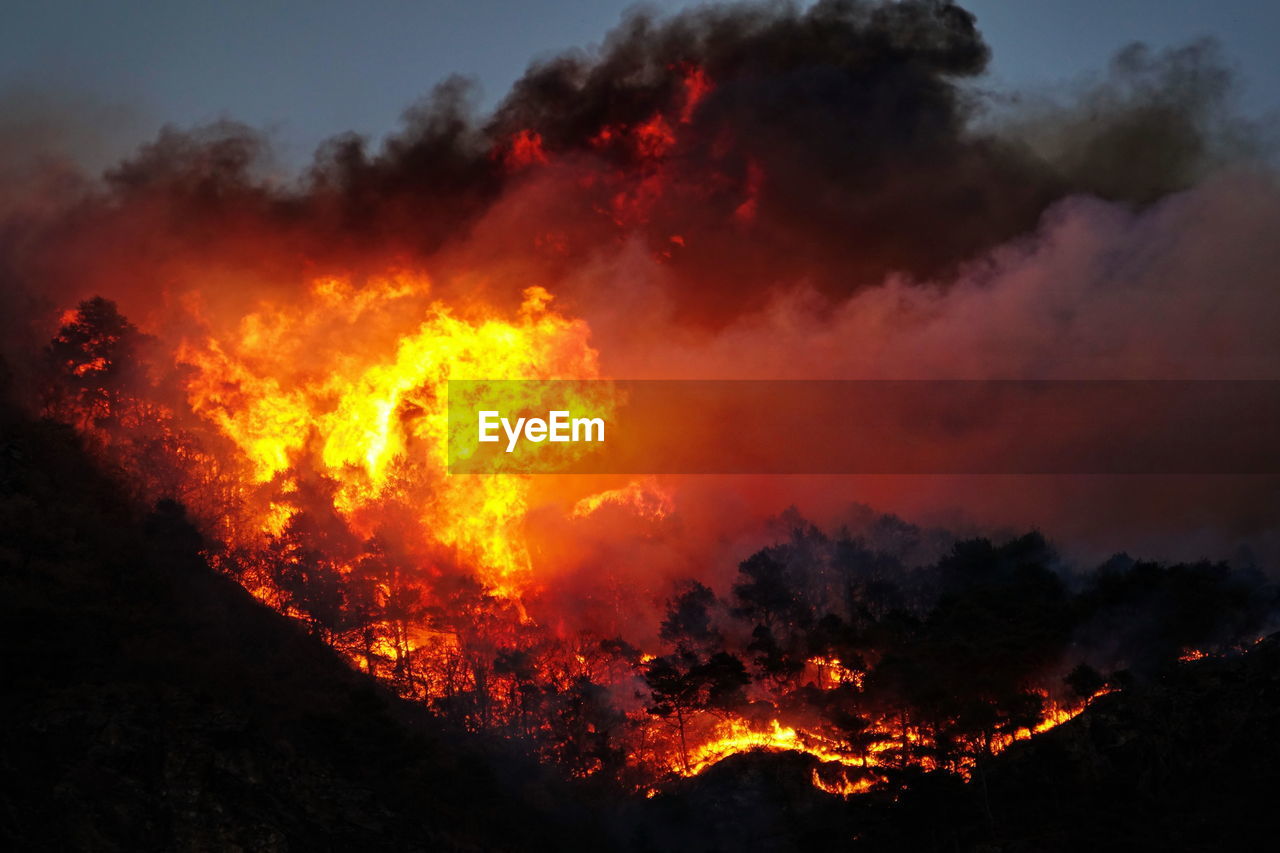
(308, 69)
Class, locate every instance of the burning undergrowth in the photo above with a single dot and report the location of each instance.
(745, 190)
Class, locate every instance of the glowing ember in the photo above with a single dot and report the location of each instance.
(525, 150)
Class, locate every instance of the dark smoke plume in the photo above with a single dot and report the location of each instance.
(751, 146)
(744, 189)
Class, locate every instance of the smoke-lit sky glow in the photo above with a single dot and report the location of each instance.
(309, 70)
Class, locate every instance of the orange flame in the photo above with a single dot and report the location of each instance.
(737, 735)
(644, 498)
(294, 396)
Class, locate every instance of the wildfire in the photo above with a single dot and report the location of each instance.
(831, 672)
(644, 498)
(697, 85)
(737, 735)
(887, 745)
(695, 184)
(841, 784)
(299, 393)
(526, 150)
(327, 422)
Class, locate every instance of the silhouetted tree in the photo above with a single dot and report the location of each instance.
(687, 623)
(682, 685)
(697, 676)
(585, 728)
(771, 589)
(91, 356)
(1084, 680)
(773, 661)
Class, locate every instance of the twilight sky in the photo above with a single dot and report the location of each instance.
(307, 69)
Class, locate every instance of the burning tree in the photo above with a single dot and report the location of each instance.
(695, 678)
(92, 358)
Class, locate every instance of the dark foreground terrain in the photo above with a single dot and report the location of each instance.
(151, 704)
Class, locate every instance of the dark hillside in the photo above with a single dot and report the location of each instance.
(151, 704)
